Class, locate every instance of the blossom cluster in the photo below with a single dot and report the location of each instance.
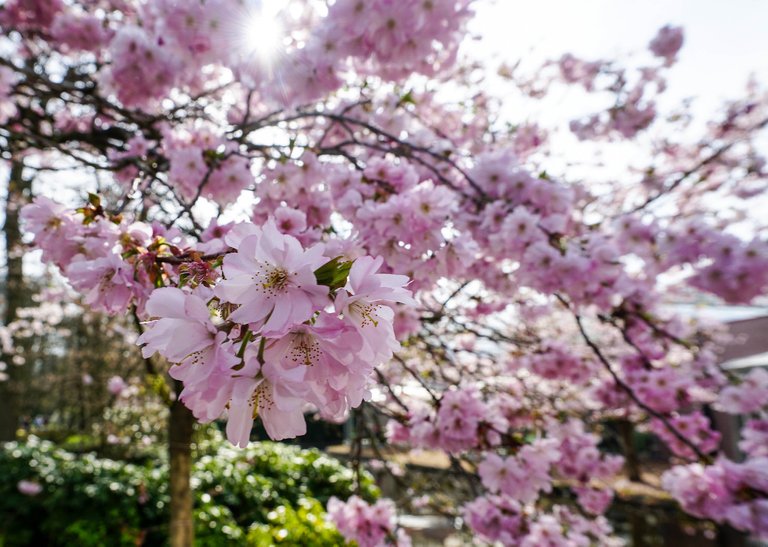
(282, 327)
(747, 396)
(635, 110)
(164, 44)
(734, 493)
(368, 525)
(523, 476)
(695, 428)
(461, 423)
(502, 520)
(104, 259)
(203, 163)
(275, 327)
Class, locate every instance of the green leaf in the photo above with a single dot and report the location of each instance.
(407, 98)
(333, 274)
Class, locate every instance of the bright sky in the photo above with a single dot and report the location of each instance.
(725, 40)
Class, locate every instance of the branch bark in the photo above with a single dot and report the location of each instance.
(180, 429)
(18, 188)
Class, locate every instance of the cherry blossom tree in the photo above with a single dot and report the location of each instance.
(306, 204)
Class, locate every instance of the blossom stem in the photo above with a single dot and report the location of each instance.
(247, 336)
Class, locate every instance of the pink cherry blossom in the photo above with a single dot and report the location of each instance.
(270, 391)
(367, 525)
(29, 488)
(366, 302)
(108, 282)
(271, 278)
(747, 397)
(116, 385)
(667, 42)
(182, 326)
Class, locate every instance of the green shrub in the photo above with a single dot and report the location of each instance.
(303, 525)
(87, 500)
(257, 479)
(214, 525)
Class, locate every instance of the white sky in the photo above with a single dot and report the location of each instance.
(725, 40)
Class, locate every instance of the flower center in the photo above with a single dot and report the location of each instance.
(367, 313)
(274, 280)
(305, 351)
(261, 399)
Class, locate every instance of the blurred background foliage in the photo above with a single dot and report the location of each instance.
(266, 494)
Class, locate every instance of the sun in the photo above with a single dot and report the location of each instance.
(262, 30)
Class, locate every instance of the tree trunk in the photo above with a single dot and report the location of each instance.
(631, 461)
(180, 428)
(730, 537)
(18, 188)
(637, 527)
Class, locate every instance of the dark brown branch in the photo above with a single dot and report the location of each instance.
(629, 391)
